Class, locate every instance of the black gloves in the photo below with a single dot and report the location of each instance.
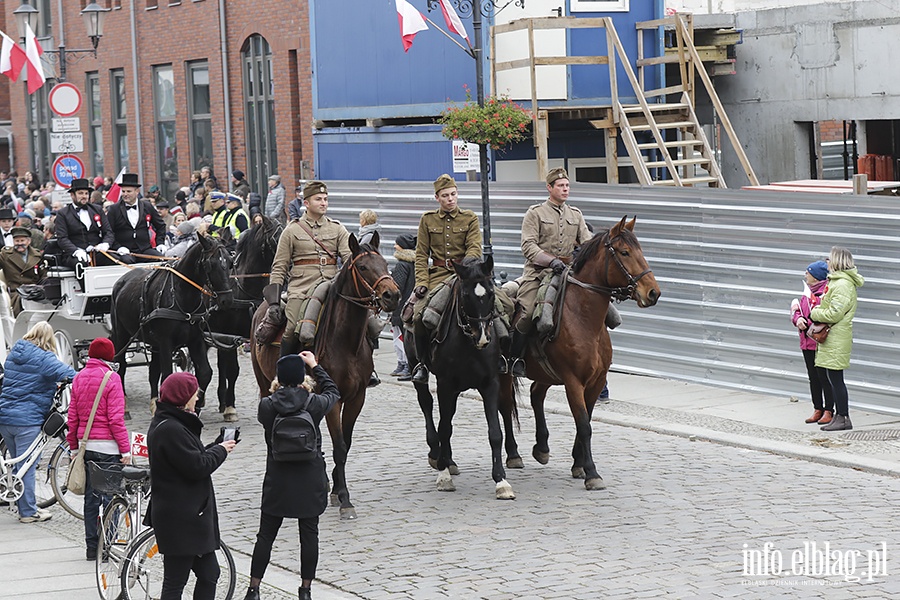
(420, 291)
(557, 265)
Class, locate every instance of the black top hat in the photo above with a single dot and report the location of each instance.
(130, 180)
(80, 184)
(7, 213)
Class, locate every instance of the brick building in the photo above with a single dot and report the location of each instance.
(157, 99)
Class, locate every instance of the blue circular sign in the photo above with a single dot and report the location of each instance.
(66, 168)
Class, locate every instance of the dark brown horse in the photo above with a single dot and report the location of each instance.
(609, 266)
(363, 284)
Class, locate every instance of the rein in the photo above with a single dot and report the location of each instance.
(203, 290)
(461, 315)
(620, 294)
(371, 301)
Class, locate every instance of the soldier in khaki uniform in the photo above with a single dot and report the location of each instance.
(550, 233)
(21, 264)
(446, 234)
(307, 259)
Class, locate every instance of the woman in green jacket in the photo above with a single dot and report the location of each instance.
(837, 309)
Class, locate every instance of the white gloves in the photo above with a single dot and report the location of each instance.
(89, 249)
(123, 251)
(81, 255)
(102, 247)
(161, 248)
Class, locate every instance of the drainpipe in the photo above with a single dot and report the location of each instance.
(137, 95)
(229, 159)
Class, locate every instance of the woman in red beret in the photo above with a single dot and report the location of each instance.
(183, 505)
(108, 440)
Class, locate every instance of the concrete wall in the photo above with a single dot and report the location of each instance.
(803, 64)
(712, 7)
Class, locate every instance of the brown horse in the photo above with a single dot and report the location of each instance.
(609, 266)
(363, 284)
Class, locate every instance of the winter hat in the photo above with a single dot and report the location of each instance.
(98, 181)
(180, 196)
(406, 241)
(818, 269)
(186, 228)
(291, 370)
(237, 174)
(275, 178)
(103, 349)
(178, 388)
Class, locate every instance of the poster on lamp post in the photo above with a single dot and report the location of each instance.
(465, 156)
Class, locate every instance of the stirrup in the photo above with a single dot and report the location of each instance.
(518, 367)
(503, 367)
(420, 374)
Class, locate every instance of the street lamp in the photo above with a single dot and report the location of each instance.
(479, 8)
(94, 17)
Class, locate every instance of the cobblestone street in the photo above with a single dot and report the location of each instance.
(676, 519)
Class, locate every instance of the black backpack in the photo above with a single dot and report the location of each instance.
(295, 437)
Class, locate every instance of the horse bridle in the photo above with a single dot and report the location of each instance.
(465, 320)
(618, 293)
(370, 301)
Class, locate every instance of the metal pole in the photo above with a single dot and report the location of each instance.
(482, 148)
(62, 62)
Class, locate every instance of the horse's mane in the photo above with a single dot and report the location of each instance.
(593, 246)
(472, 263)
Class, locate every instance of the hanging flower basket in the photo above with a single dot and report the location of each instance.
(499, 123)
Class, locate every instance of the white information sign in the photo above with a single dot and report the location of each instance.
(465, 156)
(67, 124)
(67, 143)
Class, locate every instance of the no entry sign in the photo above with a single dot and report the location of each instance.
(65, 99)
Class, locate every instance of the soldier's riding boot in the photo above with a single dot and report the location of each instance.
(516, 361)
(420, 373)
(290, 344)
(373, 330)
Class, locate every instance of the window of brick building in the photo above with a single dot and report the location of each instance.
(164, 112)
(259, 111)
(95, 119)
(39, 126)
(44, 27)
(120, 123)
(200, 117)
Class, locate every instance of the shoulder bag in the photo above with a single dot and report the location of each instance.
(818, 332)
(76, 480)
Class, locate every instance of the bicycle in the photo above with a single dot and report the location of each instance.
(52, 461)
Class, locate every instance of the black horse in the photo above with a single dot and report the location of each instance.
(167, 308)
(465, 353)
(253, 258)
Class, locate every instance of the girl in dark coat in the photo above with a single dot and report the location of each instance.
(183, 506)
(297, 490)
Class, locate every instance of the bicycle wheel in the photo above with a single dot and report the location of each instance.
(43, 491)
(142, 573)
(115, 534)
(58, 472)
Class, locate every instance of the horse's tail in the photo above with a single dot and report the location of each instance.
(513, 400)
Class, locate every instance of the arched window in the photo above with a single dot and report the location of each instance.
(259, 111)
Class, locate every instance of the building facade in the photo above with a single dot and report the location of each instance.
(177, 85)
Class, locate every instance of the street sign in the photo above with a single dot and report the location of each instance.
(67, 143)
(69, 124)
(65, 99)
(67, 168)
(465, 156)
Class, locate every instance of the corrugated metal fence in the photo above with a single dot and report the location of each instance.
(728, 263)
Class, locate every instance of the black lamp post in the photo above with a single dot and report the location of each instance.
(477, 8)
(94, 17)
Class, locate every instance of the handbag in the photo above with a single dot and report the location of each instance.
(76, 479)
(818, 332)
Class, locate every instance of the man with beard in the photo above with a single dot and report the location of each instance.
(82, 228)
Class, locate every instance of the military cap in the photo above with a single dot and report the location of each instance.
(314, 187)
(20, 232)
(557, 173)
(443, 182)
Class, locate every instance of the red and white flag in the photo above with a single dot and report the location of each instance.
(411, 22)
(33, 53)
(454, 23)
(12, 58)
(114, 190)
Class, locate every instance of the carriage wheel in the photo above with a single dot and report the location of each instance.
(65, 351)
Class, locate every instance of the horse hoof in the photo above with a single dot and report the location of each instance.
(577, 472)
(230, 415)
(504, 491)
(432, 462)
(595, 484)
(541, 457)
(515, 463)
(454, 470)
(334, 500)
(445, 482)
(348, 513)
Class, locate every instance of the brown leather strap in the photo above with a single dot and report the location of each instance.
(438, 262)
(322, 260)
(315, 239)
(565, 259)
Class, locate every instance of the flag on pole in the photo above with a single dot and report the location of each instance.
(114, 190)
(12, 58)
(454, 23)
(411, 22)
(33, 53)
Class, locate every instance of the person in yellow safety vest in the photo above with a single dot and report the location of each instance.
(228, 212)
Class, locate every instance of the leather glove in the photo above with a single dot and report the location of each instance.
(557, 265)
(81, 255)
(420, 291)
(123, 251)
(102, 247)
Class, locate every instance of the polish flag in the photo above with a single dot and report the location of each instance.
(12, 58)
(33, 53)
(454, 24)
(411, 22)
(114, 190)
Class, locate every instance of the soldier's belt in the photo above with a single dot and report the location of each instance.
(438, 262)
(322, 260)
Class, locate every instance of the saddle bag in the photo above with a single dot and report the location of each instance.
(271, 326)
(546, 302)
(313, 312)
(437, 303)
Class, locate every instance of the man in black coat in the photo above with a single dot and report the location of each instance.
(82, 228)
(136, 225)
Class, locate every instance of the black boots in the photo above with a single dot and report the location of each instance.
(252, 594)
(514, 363)
(420, 338)
(304, 593)
(420, 374)
(838, 423)
(289, 344)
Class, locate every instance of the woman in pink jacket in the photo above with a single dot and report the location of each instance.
(815, 285)
(108, 441)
